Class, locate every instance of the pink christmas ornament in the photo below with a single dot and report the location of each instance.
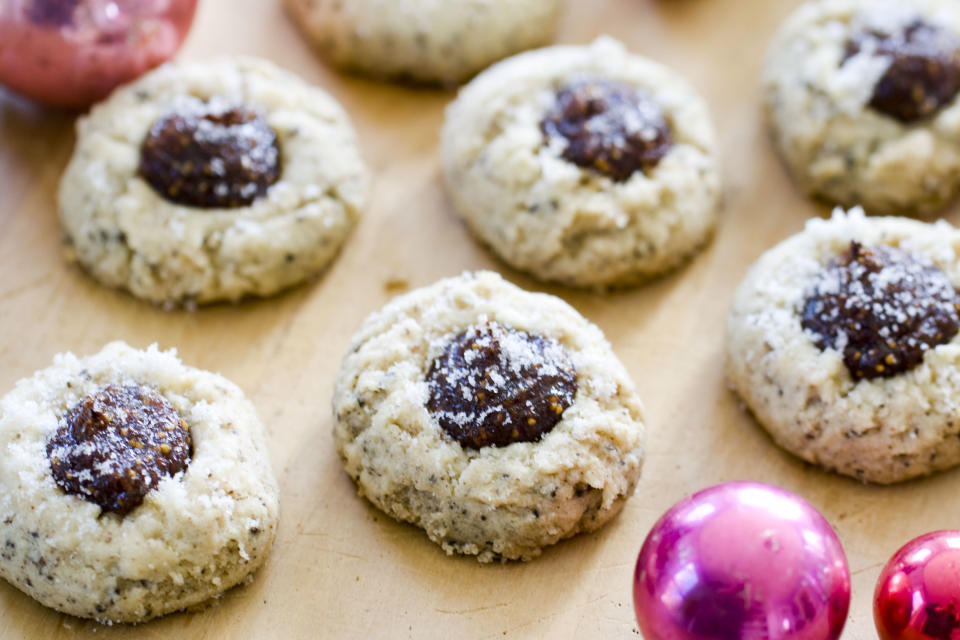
(71, 53)
(742, 561)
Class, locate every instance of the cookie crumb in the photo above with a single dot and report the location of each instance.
(396, 285)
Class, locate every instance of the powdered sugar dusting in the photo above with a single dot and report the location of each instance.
(494, 386)
(214, 153)
(611, 127)
(115, 446)
(883, 308)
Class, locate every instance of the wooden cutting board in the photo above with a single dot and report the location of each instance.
(341, 569)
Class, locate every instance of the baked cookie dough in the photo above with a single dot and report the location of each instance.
(497, 420)
(428, 41)
(584, 165)
(131, 485)
(842, 341)
(211, 181)
(863, 99)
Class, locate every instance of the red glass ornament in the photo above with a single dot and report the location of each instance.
(918, 592)
(71, 53)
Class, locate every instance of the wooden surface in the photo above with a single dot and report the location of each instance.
(340, 569)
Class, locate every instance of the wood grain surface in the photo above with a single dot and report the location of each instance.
(341, 569)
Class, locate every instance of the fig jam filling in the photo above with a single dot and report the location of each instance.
(924, 73)
(883, 308)
(609, 127)
(115, 446)
(494, 386)
(210, 154)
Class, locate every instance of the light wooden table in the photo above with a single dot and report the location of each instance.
(340, 569)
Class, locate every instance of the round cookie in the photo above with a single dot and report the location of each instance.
(210, 181)
(497, 420)
(842, 340)
(428, 41)
(863, 100)
(584, 165)
(93, 524)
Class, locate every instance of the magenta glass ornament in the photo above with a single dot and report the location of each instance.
(918, 592)
(71, 53)
(742, 561)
